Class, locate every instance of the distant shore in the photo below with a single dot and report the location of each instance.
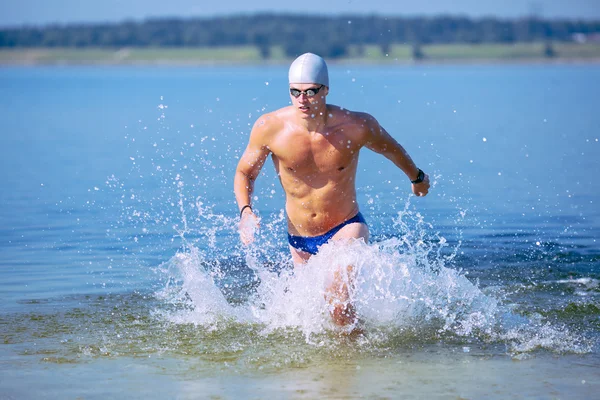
(405, 54)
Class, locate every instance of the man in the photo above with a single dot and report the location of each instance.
(315, 147)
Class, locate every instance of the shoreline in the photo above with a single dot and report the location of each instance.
(428, 373)
(520, 53)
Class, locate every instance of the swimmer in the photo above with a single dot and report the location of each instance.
(314, 147)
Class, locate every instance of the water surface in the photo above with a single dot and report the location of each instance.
(120, 260)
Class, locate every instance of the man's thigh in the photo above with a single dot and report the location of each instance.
(298, 256)
(356, 230)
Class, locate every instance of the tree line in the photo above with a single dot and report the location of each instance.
(326, 35)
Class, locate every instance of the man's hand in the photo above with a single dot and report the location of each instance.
(249, 224)
(422, 188)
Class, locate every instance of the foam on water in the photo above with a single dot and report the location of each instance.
(197, 287)
(403, 287)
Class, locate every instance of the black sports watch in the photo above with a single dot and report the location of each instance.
(420, 177)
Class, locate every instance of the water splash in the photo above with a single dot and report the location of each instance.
(407, 286)
(404, 288)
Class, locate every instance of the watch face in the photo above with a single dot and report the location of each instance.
(420, 177)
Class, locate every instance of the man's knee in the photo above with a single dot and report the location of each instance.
(343, 314)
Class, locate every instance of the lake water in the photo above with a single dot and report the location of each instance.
(121, 273)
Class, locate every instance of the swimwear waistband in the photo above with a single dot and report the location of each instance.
(311, 244)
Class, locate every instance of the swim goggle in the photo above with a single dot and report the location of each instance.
(308, 92)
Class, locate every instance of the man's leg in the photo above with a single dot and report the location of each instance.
(338, 293)
(299, 257)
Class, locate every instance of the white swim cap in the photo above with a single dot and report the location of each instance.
(309, 68)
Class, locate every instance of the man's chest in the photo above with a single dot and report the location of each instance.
(315, 153)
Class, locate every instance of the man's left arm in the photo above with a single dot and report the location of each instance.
(380, 141)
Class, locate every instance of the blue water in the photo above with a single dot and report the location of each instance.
(112, 178)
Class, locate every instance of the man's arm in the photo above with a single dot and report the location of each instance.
(380, 141)
(247, 171)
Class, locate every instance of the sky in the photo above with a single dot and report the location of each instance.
(43, 12)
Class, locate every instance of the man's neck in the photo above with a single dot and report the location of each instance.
(317, 121)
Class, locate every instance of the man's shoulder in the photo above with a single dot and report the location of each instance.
(270, 122)
(349, 115)
(346, 116)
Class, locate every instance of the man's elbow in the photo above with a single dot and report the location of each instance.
(241, 174)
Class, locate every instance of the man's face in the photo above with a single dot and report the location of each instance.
(311, 96)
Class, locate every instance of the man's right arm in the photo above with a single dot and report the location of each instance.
(247, 171)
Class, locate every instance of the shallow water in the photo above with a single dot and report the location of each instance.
(120, 260)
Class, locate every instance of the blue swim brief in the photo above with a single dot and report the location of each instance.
(311, 244)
